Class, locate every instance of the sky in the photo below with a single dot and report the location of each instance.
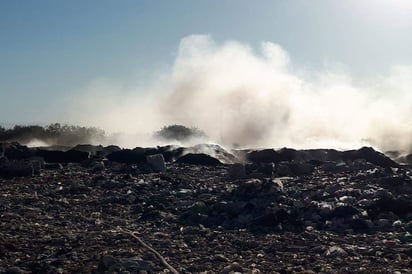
(55, 54)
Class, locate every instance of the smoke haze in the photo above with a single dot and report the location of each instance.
(254, 99)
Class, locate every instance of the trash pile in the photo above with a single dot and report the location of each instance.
(94, 209)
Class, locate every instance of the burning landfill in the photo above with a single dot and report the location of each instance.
(204, 209)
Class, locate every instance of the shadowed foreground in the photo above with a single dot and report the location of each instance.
(343, 216)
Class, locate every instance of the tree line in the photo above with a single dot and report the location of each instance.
(55, 134)
(70, 135)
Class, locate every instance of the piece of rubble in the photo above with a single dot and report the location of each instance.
(198, 159)
(128, 156)
(157, 162)
(264, 156)
(236, 171)
(16, 169)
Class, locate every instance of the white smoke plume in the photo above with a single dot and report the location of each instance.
(255, 99)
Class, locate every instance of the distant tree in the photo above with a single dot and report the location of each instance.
(56, 134)
(179, 133)
(53, 129)
(76, 135)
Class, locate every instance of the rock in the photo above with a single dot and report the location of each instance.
(94, 165)
(283, 169)
(254, 188)
(92, 149)
(16, 169)
(400, 206)
(38, 164)
(236, 171)
(325, 209)
(233, 268)
(195, 214)
(221, 258)
(335, 167)
(52, 166)
(359, 225)
(288, 154)
(266, 169)
(15, 151)
(397, 184)
(321, 155)
(408, 159)
(215, 151)
(71, 156)
(148, 150)
(278, 185)
(110, 264)
(370, 155)
(264, 156)
(397, 223)
(107, 150)
(408, 252)
(269, 219)
(344, 212)
(15, 270)
(52, 156)
(2, 150)
(98, 166)
(3, 159)
(198, 159)
(128, 156)
(171, 153)
(156, 162)
(336, 252)
(76, 188)
(300, 169)
(383, 223)
(362, 164)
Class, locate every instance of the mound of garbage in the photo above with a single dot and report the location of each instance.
(203, 209)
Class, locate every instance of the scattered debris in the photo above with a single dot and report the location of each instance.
(311, 211)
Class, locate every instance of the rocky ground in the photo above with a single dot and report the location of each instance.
(342, 216)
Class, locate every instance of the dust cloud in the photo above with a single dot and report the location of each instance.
(245, 97)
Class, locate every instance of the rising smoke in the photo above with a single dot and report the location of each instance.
(255, 99)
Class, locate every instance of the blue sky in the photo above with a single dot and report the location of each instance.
(52, 49)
